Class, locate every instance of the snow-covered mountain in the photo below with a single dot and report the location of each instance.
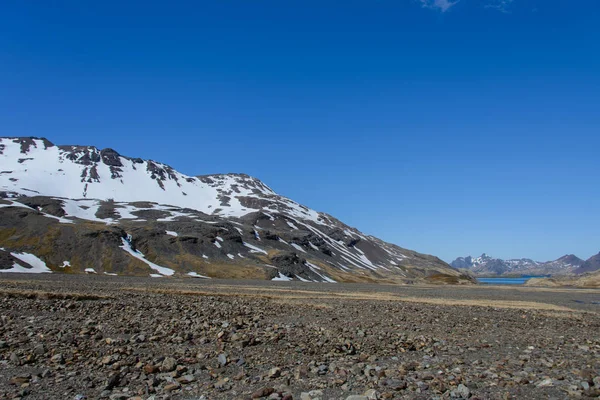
(485, 265)
(37, 167)
(81, 209)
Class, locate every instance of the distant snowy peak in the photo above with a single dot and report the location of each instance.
(32, 166)
(486, 264)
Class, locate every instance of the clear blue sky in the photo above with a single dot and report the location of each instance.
(449, 128)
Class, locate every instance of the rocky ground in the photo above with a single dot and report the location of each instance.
(91, 337)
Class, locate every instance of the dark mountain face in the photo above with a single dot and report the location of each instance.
(81, 209)
(590, 265)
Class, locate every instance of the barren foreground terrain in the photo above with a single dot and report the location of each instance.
(76, 337)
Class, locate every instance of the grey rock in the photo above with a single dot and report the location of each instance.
(57, 359)
(14, 358)
(372, 394)
(461, 392)
(584, 385)
(169, 364)
(222, 358)
(545, 383)
(39, 350)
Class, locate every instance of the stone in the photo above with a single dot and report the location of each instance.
(300, 372)
(274, 373)
(20, 379)
(15, 359)
(169, 364)
(461, 392)
(395, 384)
(186, 379)
(545, 383)
(263, 392)
(39, 350)
(112, 382)
(584, 385)
(151, 369)
(171, 386)
(222, 358)
(222, 384)
(57, 359)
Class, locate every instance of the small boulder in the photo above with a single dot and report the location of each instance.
(169, 364)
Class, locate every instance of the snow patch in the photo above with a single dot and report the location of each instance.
(297, 247)
(312, 266)
(301, 279)
(162, 270)
(197, 275)
(172, 233)
(38, 265)
(254, 249)
(282, 278)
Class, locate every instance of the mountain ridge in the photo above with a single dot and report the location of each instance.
(485, 265)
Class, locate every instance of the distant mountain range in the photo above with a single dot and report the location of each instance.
(79, 209)
(487, 265)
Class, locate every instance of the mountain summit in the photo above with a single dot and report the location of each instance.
(82, 209)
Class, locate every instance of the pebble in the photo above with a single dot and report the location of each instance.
(57, 359)
(169, 364)
(263, 392)
(222, 358)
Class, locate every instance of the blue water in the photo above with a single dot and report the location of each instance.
(507, 281)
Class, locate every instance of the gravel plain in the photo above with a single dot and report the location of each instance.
(103, 337)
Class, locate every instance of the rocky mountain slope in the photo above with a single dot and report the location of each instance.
(81, 209)
(590, 265)
(486, 265)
